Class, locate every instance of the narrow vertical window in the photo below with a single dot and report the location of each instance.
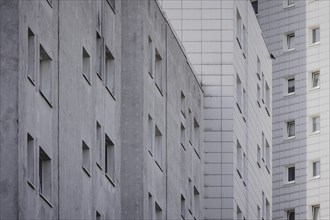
(239, 214)
(268, 153)
(159, 146)
(150, 207)
(267, 97)
(244, 41)
(98, 216)
(263, 146)
(258, 67)
(196, 202)
(158, 71)
(244, 168)
(45, 74)
(259, 212)
(31, 56)
(150, 57)
(150, 135)
(109, 150)
(258, 156)
(315, 79)
(190, 126)
(258, 96)
(85, 158)
(183, 104)
(255, 6)
(99, 145)
(316, 212)
(316, 123)
(239, 91)
(239, 159)
(291, 174)
(159, 211)
(99, 52)
(290, 40)
(183, 136)
(290, 215)
(44, 174)
(263, 205)
(262, 87)
(196, 136)
(291, 86)
(183, 207)
(30, 159)
(291, 129)
(316, 169)
(267, 210)
(244, 104)
(190, 191)
(110, 71)
(238, 27)
(316, 35)
(86, 65)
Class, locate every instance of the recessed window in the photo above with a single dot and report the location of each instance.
(99, 145)
(263, 145)
(267, 209)
(316, 123)
(255, 6)
(290, 41)
(110, 71)
(190, 126)
(239, 27)
(183, 136)
(158, 146)
(291, 129)
(316, 212)
(44, 174)
(290, 2)
(239, 93)
(150, 135)
(259, 212)
(159, 71)
(31, 56)
(30, 159)
(239, 159)
(315, 79)
(316, 168)
(258, 96)
(45, 74)
(291, 174)
(109, 150)
(183, 104)
(262, 87)
(259, 156)
(196, 202)
(86, 65)
(85, 157)
(150, 57)
(99, 51)
(258, 67)
(268, 97)
(183, 207)
(239, 213)
(98, 216)
(196, 136)
(290, 215)
(112, 3)
(291, 86)
(150, 207)
(159, 211)
(316, 35)
(268, 156)
(263, 205)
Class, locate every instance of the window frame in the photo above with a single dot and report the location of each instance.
(288, 131)
(313, 74)
(290, 43)
(316, 174)
(288, 169)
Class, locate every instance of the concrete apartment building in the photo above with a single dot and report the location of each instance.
(297, 33)
(224, 42)
(101, 113)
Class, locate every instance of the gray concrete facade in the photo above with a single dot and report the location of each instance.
(307, 195)
(224, 42)
(101, 113)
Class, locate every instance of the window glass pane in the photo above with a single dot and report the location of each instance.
(316, 35)
(291, 174)
(316, 124)
(291, 86)
(290, 2)
(315, 78)
(316, 212)
(291, 129)
(291, 215)
(316, 168)
(290, 41)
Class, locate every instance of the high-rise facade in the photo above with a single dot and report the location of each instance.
(101, 113)
(224, 42)
(297, 34)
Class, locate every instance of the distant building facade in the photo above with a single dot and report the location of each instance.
(297, 33)
(101, 113)
(224, 42)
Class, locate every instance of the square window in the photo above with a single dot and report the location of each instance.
(291, 129)
(110, 71)
(291, 174)
(44, 174)
(291, 86)
(290, 215)
(316, 168)
(316, 123)
(316, 35)
(31, 56)
(85, 158)
(86, 65)
(316, 212)
(315, 79)
(30, 159)
(45, 74)
(290, 41)
(109, 158)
